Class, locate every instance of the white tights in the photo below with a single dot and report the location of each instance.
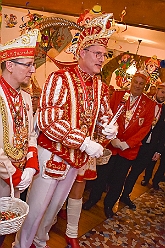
(73, 215)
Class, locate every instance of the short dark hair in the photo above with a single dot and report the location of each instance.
(3, 65)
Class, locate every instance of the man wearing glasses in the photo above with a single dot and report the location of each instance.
(27, 65)
(134, 123)
(98, 55)
(74, 104)
(18, 145)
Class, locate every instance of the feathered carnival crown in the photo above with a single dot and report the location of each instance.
(96, 32)
(21, 47)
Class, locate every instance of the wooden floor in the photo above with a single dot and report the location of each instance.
(89, 219)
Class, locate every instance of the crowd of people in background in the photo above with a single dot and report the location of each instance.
(73, 121)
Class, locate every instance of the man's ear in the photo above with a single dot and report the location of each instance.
(9, 66)
(82, 53)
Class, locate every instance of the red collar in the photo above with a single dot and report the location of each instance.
(85, 76)
(13, 93)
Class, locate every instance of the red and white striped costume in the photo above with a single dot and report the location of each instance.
(61, 115)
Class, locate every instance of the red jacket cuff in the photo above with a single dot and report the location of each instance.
(16, 178)
(32, 149)
(33, 163)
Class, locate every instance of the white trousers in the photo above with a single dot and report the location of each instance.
(46, 197)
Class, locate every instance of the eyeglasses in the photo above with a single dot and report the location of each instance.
(28, 65)
(34, 97)
(98, 55)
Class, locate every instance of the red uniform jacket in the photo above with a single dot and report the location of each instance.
(138, 126)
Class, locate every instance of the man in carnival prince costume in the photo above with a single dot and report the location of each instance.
(74, 104)
(18, 144)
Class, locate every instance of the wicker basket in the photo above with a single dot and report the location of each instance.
(105, 158)
(14, 205)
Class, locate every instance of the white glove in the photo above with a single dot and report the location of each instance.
(110, 131)
(26, 178)
(123, 145)
(92, 148)
(115, 143)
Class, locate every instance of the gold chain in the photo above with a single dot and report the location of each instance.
(11, 151)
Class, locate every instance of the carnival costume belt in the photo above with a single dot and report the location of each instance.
(80, 158)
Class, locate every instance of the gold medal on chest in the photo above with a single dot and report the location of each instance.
(128, 114)
(20, 137)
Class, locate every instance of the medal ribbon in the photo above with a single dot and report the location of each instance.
(131, 109)
(10, 97)
(84, 89)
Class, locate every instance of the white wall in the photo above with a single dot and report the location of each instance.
(10, 33)
(116, 42)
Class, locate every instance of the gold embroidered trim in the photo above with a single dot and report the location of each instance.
(11, 151)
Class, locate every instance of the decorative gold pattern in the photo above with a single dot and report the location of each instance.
(86, 96)
(21, 47)
(19, 150)
(97, 31)
(62, 103)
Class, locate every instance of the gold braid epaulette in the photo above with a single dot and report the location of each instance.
(12, 152)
